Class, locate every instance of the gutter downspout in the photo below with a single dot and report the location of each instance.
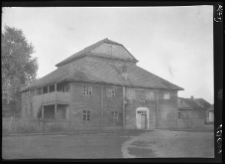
(101, 108)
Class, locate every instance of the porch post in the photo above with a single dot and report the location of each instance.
(42, 112)
(55, 110)
(55, 87)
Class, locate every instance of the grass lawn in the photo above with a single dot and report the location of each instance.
(69, 146)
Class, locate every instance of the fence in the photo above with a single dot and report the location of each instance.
(191, 123)
(20, 125)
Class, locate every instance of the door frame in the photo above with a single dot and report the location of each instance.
(138, 117)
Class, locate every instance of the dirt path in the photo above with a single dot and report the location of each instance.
(165, 143)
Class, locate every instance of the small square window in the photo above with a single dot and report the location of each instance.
(166, 96)
(110, 92)
(131, 94)
(150, 96)
(87, 90)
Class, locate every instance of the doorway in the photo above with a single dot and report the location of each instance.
(142, 118)
(143, 121)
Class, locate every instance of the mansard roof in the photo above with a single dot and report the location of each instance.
(103, 70)
(104, 48)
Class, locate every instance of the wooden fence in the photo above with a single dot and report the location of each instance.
(20, 125)
(191, 123)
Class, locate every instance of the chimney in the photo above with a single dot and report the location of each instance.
(192, 97)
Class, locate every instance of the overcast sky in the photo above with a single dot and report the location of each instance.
(175, 43)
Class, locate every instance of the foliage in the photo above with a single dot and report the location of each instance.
(18, 67)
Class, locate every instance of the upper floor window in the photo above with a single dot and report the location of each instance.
(131, 94)
(110, 92)
(150, 96)
(66, 88)
(166, 96)
(87, 90)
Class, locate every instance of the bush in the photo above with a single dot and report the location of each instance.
(26, 129)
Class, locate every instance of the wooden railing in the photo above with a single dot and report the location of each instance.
(53, 97)
(48, 98)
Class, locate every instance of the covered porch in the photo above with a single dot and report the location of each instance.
(56, 111)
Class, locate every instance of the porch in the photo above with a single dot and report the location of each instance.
(56, 111)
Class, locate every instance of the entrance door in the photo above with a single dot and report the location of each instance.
(142, 118)
(143, 121)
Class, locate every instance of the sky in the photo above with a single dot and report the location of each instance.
(175, 43)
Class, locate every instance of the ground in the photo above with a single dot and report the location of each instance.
(135, 144)
(167, 143)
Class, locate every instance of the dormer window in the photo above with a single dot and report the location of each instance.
(124, 75)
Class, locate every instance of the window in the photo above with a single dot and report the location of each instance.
(51, 88)
(87, 90)
(110, 92)
(66, 88)
(131, 94)
(166, 96)
(114, 116)
(150, 96)
(86, 115)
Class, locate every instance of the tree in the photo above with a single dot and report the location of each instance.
(18, 67)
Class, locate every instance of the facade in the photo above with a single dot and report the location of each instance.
(101, 87)
(192, 112)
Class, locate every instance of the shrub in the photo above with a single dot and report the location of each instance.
(26, 129)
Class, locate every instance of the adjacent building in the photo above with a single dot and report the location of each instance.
(192, 112)
(101, 87)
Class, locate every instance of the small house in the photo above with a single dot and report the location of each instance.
(192, 112)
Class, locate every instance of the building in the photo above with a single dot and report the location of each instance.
(192, 112)
(101, 87)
